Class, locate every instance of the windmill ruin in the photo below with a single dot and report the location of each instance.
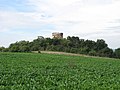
(57, 35)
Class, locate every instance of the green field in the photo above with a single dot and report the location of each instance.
(30, 71)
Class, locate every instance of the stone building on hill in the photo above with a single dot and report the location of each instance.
(57, 35)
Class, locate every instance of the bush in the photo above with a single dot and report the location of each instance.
(92, 53)
(39, 51)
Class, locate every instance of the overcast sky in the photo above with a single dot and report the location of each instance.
(87, 19)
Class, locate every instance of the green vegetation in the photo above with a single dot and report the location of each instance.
(30, 71)
(69, 44)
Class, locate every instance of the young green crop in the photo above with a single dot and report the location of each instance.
(30, 71)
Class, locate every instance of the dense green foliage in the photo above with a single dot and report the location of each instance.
(70, 44)
(117, 53)
(28, 71)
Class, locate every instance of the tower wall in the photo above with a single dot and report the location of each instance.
(57, 35)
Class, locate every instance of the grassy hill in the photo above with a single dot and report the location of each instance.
(33, 71)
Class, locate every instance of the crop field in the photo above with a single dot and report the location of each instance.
(31, 71)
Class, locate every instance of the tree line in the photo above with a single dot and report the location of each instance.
(70, 44)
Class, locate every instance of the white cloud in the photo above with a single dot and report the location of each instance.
(11, 20)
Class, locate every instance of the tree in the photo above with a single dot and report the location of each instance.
(92, 53)
(14, 48)
(73, 50)
(56, 41)
(117, 53)
(106, 52)
(2, 49)
(100, 44)
(21, 46)
(73, 41)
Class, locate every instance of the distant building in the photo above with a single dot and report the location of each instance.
(57, 35)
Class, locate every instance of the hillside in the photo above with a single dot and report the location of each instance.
(70, 45)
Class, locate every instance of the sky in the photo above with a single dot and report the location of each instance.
(87, 19)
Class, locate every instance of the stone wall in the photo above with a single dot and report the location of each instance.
(57, 35)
